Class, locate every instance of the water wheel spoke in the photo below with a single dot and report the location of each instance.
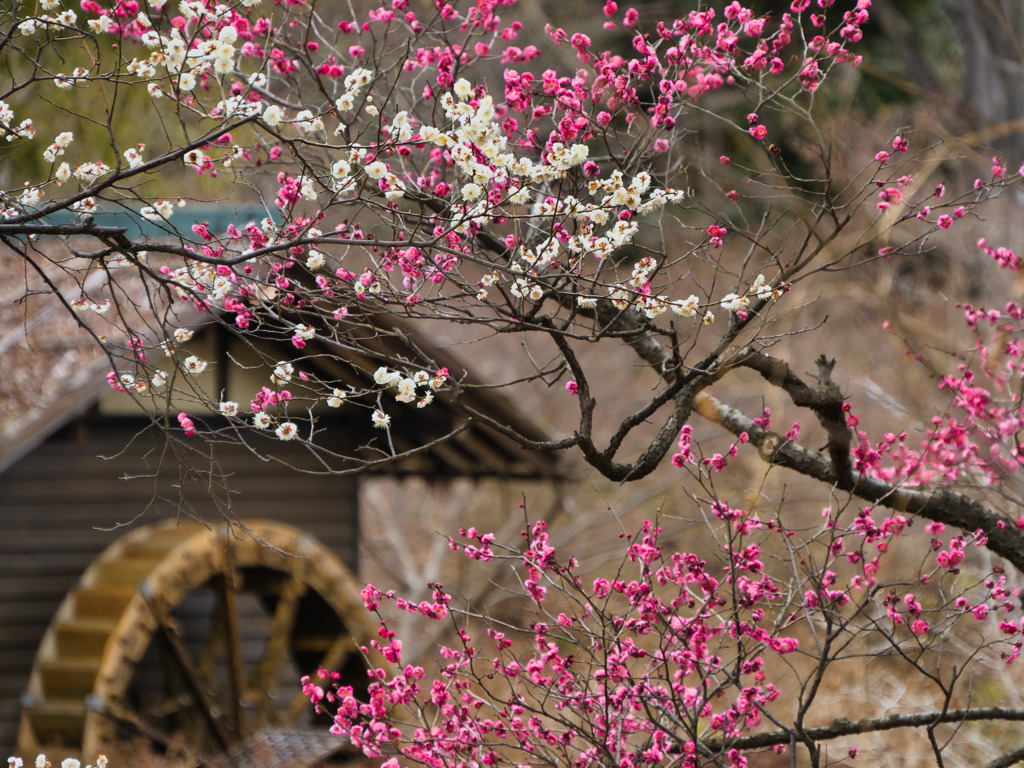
(340, 649)
(212, 644)
(264, 679)
(126, 717)
(188, 670)
(228, 599)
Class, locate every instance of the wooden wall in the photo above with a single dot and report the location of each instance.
(58, 504)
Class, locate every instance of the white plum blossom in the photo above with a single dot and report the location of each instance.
(315, 260)
(563, 158)
(619, 297)
(87, 173)
(337, 398)
(194, 365)
(307, 122)
(463, 89)
(134, 156)
(283, 372)
(223, 61)
(380, 419)
(6, 113)
(358, 78)
(433, 135)
(287, 431)
(85, 205)
(175, 51)
(385, 378)
(622, 232)
(24, 130)
(273, 115)
(401, 126)
(305, 331)
(194, 158)
(228, 408)
(641, 182)
(406, 391)
(60, 143)
(376, 170)
(763, 290)
(734, 303)
(652, 306)
(31, 196)
(341, 169)
(687, 307)
(160, 210)
(307, 189)
(102, 25)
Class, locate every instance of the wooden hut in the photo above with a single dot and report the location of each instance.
(95, 568)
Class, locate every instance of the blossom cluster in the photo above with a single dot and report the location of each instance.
(522, 159)
(269, 405)
(975, 437)
(601, 699)
(68, 762)
(659, 637)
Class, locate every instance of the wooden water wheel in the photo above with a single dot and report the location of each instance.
(195, 638)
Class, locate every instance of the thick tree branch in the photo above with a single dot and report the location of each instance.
(843, 727)
(826, 400)
(647, 461)
(940, 504)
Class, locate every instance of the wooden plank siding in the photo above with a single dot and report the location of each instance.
(60, 506)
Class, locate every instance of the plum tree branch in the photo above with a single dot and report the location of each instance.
(843, 727)
(825, 400)
(940, 504)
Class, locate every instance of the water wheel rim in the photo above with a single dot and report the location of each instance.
(199, 555)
